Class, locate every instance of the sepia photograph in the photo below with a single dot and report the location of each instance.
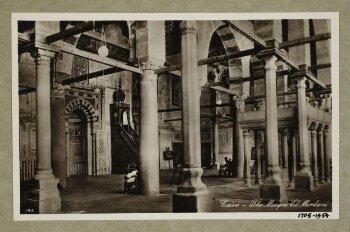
(175, 116)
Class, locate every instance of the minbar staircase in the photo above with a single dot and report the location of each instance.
(130, 137)
(125, 148)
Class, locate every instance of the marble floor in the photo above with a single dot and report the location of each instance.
(104, 194)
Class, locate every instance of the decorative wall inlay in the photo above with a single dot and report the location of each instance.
(84, 106)
(80, 66)
(77, 153)
(103, 160)
(28, 151)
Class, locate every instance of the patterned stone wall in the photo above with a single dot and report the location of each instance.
(103, 161)
(27, 149)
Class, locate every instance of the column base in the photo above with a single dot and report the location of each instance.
(258, 181)
(273, 189)
(285, 177)
(45, 196)
(304, 181)
(273, 192)
(192, 202)
(292, 184)
(321, 180)
(247, 182)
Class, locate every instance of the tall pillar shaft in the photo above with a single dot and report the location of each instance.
(43, 115)
(285, 148)
(314, 155)
(271, 118)
(216, 141)
(247, 152)
(149, 147)
(258, 138)
(303, 179)
(326, 154)
(321, 153)
(273, 187)
(293, 159)
(239, 146)
(192, 195)
(285, 155)
(45, 198)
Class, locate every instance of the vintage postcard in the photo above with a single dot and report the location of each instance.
(175, 116)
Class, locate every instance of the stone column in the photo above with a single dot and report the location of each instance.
(90, 147)
(216, 141)
(149, 146)
(192, 195)
(45, 198)
(239, 147)
(321, 152)
(293, 165)
(328, 103)
(313, 131)
(258, 138)
(273, 188)
(303, 179)
(263, 157)
(285, 155)
(326, 153)
(66, 125)
(247, 152)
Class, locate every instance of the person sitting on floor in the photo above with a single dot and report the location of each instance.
(130, 182)
(224, 167)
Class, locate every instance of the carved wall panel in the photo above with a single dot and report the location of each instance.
(77, 153)
(103, 161)
(27, 148)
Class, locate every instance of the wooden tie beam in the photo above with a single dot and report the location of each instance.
(305, 40)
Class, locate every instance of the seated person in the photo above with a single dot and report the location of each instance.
(227, 168)
(130, 182)
(132, 167)
(224, 168)
(230, 167)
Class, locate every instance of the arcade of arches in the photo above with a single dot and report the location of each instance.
(99, 97)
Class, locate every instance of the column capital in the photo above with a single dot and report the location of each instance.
(148, 67)
(42, 56)
(285, 131)
(301, 82)
(272, 50)
(303, 73)
(259, 133)
(58, 90)
(313, 126)
(150, 64)
(320, 128)
(188, 26)
(326, 129)
(246, 133)
(270, 62)
(313, 132)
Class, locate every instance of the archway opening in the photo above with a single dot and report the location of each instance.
(80, 138)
